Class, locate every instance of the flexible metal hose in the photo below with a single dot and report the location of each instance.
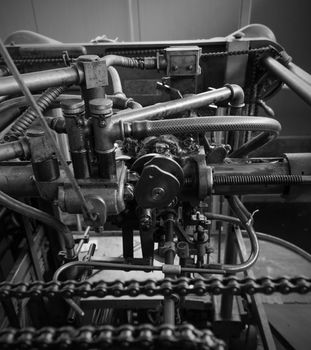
(34, 213)
(115, 60)
(141, 129)
(26, 119)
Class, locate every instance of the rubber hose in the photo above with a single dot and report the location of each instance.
(142, 129)
(25, 120)
(34, 213)
(253, 144)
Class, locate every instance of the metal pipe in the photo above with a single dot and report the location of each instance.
(302, 74)
(42, 80)
(17, 180)
(115, 80)
(102, 265)
(169, 304)
(298, 85)
(162, 110)
(15, 149)
(87, 207)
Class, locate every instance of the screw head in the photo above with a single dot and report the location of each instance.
(158, 193)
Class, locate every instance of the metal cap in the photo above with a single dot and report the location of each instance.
(88, 58)
(101, 106)
(72, 106)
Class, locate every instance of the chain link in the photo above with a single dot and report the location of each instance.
(144, 336)
(165, 287)
(238, 52)
(38, 60)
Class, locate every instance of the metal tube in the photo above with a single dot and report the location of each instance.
(230, 258)
(116, 81)
(305, 76)
(162, 110)
(87, 207)
(298, 85)
(74, 114)
(42, 80)
(169, 304)
(17, 180)
(13, 150)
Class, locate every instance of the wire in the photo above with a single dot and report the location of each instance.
(86, 206)
(34, 213)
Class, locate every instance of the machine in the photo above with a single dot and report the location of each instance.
(158, 142)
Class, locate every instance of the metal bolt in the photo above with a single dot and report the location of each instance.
(174, 68)
(190, 67)
(158, 193)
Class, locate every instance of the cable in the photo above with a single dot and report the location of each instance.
(34, 213)
(86, 206)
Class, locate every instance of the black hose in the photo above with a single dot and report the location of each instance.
(145, 128)
(34, 213)
(25, 120)
(253, 144)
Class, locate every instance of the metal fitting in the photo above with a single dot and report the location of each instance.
(72, 107)
(165, 247)
(74, 113)
(171, 269)
(101, 107)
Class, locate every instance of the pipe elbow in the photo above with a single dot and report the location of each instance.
(237, 95)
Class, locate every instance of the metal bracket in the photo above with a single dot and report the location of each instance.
(183, 61)
(96, 74)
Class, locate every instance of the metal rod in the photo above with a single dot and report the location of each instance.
(32, 102)
(169, 304)
(230, 258)
(256, 305)
(305, 76)
(172, 107)
(41, 80)
(298, 85)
